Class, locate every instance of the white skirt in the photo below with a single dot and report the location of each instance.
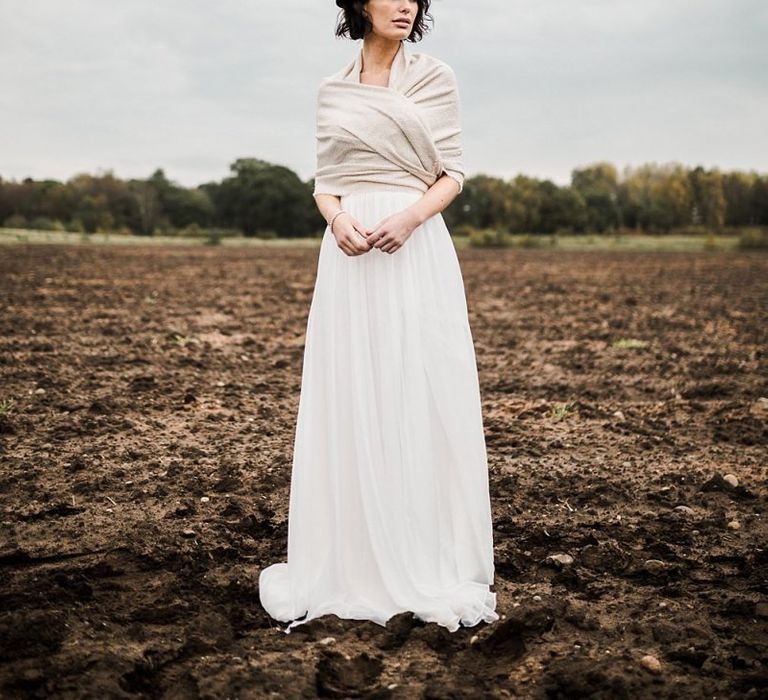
(389, 507)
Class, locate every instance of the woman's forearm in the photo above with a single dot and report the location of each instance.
(328, 204)
(435, 199)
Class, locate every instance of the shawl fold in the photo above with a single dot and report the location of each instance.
(402, 136)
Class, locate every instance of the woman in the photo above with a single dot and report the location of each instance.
(389, 506)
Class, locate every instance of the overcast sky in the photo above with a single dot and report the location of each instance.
(545, 85)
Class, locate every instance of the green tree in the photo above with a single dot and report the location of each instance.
(708, 197)
(260, 197)
(598, 186)
(737, 190)
(760, 201)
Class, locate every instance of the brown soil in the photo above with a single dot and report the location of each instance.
(145, 379)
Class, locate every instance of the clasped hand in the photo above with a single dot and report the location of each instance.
(388, 235)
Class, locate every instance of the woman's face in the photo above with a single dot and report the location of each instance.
(392, 19)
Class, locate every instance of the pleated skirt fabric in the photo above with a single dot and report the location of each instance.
(389, 507)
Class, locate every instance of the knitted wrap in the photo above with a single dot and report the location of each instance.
(403, 136)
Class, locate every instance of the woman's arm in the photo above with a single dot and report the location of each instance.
(434, 200)
(328, 204)
(393, 231)
(448, 140)
(347, 230)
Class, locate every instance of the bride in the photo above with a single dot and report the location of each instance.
(389, 507)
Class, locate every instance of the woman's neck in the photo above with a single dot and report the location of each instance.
(378, 54)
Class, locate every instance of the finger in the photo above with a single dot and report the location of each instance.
(360, 243)
(357, 243)
(361, 238)
(351, 246)
(380, 229)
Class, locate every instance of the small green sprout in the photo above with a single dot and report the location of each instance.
(560, 411)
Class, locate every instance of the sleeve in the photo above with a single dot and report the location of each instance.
(323, 152)
(318, 188)
(448, 134)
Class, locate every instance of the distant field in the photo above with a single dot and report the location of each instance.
(586, 242)
(11, 236)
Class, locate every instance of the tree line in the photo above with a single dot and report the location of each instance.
(258, 198)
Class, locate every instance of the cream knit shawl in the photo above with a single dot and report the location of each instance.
(403, 136)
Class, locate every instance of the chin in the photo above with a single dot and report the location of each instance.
(395, 34)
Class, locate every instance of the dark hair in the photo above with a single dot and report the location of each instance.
(356, 25)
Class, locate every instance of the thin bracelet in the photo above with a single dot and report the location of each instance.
(333, 218)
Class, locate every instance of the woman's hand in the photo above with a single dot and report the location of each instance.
(350, 235)
(392, 232)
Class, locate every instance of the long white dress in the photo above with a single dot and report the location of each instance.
(389, 502)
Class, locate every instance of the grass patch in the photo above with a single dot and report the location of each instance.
(463, 237)
(489, 238)
(753, 239)
(630, 343)
(181, 340)
(206, 237)
(681, 243)
(560, 410)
